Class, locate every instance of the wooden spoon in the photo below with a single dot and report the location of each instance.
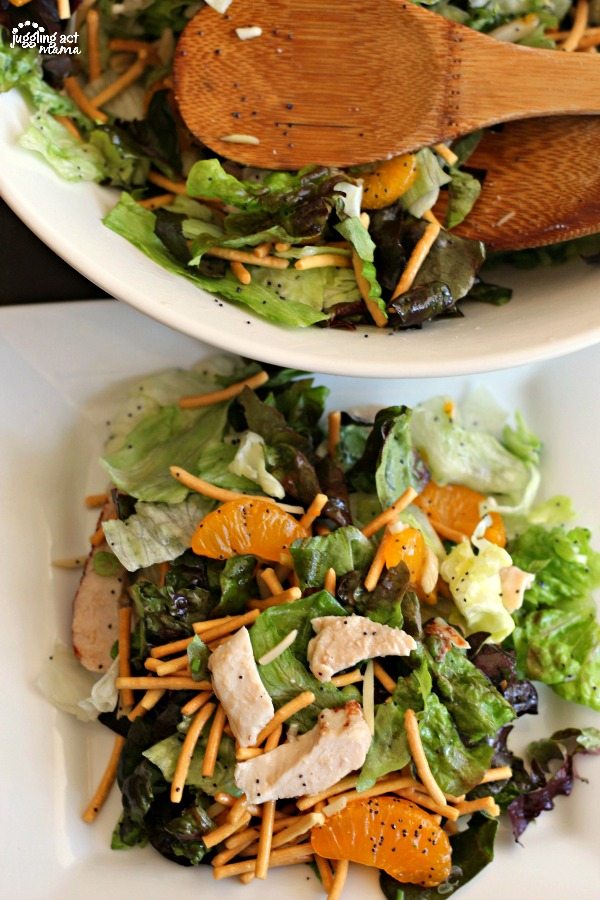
(346, 81)
(541, 183)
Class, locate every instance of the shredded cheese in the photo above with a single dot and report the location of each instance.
(173, 665)
(234, 390)
(391, 513)
(368, 696)
(75, 92)
(314, 510)
(497, 774)
(106, 782)
(196, 703)
(580, 21)
(279, 648)
(241, 272)
(287, 596)
(72, 562)
(330, 581)
(93, 44)
(221, 494)
(383, 678)
(320, 260)
(335, 806)
(446, 153)
(420, 760)
(127, 78)
(339, 879)
(376, 567)
(284, 856)
(265, 839)
(187, 750)
(247, 34)
(93, 501)
(234, 623)
(345, 784)
(174, 187)
(157, 202)
(271, 581)
(213, 743)
(417, 258)
(284, 712)
(488, 804)
(217, 835)
(349, 678)
(170, 683)
(424, 800)
(240, 139)
(173, 647)
(334, 429)
(262, 250)
(71, 127)
(430, 571)
(269, 262)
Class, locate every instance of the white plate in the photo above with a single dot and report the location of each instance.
(554, 311)
(59, 365)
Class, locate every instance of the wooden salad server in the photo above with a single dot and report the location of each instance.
(541, 183)
(345, 82)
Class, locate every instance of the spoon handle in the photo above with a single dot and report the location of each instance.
(497, 82)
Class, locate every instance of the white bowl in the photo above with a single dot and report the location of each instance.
(554, 310)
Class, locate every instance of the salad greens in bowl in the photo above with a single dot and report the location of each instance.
(341, 250)
(314, 636)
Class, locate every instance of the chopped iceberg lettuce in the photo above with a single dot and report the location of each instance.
(156, 532)
(473, 576)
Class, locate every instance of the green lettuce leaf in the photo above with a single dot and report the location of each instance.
(72, 159)
(22, 68)
(136, 224)
(522, 441)
(477, 708)
(473, 577)
(389, 750)
(399, 466)
(197, 654)
(463, 192)
(165, 753)
(237, 584)
(384, 604)
(287, 675)
(355, 232)
(425, 189)
(169, 437)
(565, 565)
(157, 532)
(455, 767)
(457, 455)
(344, 550)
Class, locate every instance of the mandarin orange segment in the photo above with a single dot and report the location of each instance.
(254, 526)
(407, 546)
(457, 507)
(390, 179)
(387, 833)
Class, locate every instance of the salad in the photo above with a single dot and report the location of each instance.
(327, 629)
(322, 246)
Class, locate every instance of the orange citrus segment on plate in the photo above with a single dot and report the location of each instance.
(407, 546)
(246, 525)
(457, 507)
(390, 834)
